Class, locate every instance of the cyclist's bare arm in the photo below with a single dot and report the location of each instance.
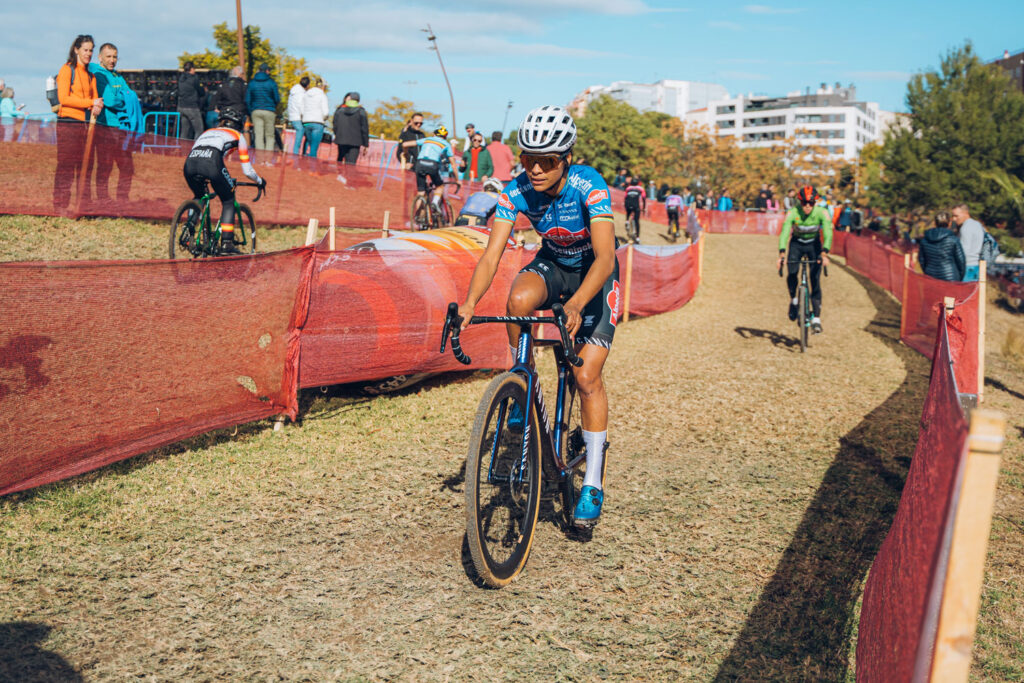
(602, 236)
(485, 269)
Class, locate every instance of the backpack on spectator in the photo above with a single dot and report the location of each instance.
(989, 249)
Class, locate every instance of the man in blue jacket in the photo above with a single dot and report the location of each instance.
(121, 116)
(261, 99)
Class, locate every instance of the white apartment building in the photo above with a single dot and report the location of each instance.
(666, 96)
(831, 118)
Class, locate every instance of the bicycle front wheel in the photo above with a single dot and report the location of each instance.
(247, 244)
(802, 316)
(447, 215)
(182, 242)
(503, 477)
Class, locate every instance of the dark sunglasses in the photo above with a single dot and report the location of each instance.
(546, 162)
(417, 123)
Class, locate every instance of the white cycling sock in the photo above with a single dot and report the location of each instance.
(795, 301)
(515, 353)
(594, 442)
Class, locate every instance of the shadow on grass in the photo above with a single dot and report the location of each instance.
(22, 659)
(777, 339)
(802, 624)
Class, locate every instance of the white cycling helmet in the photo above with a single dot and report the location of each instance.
(547, 130)
(493, 185)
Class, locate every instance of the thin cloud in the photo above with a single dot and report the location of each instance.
(728, 25)
(767, 9)
(744, 76)
(879, 75)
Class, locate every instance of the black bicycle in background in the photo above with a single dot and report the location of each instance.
(515, 448)
(804, 313)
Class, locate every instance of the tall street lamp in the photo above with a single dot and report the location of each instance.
(433, 46)
(241, 50)
(505, 120)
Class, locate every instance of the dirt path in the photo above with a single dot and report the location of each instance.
(749, 486)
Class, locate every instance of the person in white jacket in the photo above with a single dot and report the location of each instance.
(314, 113)
(295, 97)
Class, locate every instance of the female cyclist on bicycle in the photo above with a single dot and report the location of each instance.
(569, 206)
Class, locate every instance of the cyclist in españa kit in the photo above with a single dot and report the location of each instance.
(480, 206)
(570, 208)
(811, 228)
(434, 157)
(205, 163)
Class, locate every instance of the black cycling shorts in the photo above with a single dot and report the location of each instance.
(426, 168)
(600, 316)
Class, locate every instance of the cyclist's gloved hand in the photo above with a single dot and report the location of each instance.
(782, 257)
(824, 259)
(263, 183)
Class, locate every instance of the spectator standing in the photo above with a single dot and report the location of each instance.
(501, 157)
(476, 163)
(761, 203)
(470, 132)
(725, 201)
(687, 196)
(314, 113)
(620, 179)
(232, 94)
(413, 130)
(789, 201)
(844, 217)
(351, 129)
(652, 190)
(972, 238)
(295, 98)
(79, 102)
(122, 112)
(941, 255)
(190, 99)
(261, 99)
(693, 226)
(8, 113)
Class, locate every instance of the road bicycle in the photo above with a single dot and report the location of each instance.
(633, 227)
(193, 234)
(426, 215)
(510, 468)
(804, 313)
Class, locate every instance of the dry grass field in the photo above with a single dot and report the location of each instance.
(748, 489)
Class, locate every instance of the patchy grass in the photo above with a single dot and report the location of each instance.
(749, 487)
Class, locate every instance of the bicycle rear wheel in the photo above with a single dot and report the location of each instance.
(182, 242)
(503, 477)
(420, 214)
(247, 243)
(802, 316)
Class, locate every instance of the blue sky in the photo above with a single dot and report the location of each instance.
(533, 52)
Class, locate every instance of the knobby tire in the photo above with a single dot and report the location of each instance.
(501, 514)
(802, 316)
(174, 245)
(571, 447)
(248, 225)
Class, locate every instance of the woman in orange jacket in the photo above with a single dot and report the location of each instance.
(79, 102)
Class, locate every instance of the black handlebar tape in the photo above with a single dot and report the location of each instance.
(457, 349)
(570, 354)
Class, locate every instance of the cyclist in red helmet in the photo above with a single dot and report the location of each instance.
(807, 229)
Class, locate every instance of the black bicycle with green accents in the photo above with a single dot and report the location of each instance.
(194, 234)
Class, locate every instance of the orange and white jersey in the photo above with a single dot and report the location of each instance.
(226, 140)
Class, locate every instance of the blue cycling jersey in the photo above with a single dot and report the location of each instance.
(563, 222)
(434, 149)
(480, 204)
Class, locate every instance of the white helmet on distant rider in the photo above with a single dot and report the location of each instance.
(547, 130)
(493, 185)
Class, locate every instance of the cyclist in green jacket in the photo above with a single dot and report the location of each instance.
(807, 229)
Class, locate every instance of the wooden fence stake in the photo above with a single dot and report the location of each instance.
(972, 521)
(330, 232)
(982, 301)
(628, 283)
(385, 232)
(906, 293)
(311, 231)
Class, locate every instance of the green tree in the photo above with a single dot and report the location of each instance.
(966, 118)
(388, 118)
(285, 69)
(614, 135)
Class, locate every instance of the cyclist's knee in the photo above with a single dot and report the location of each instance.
(589, 382)
(523, 301)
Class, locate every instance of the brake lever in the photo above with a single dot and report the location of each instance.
(570, 354)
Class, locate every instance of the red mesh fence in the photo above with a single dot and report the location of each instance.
(925, 297)
(103, 360)
(734, 222)
(663, 279)
(377, 310)
(902, 596)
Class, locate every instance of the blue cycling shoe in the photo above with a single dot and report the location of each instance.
(515, 418)
(588, 509)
